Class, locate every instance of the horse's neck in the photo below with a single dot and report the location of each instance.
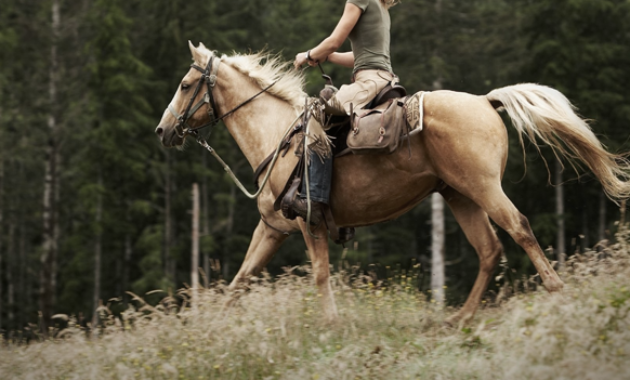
(258, 126)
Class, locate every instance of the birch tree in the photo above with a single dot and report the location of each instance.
(1, 229)
(194, 264)
(560, 235)
(437, 248)
(50, 245)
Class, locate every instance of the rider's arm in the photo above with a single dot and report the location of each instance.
(351, 15)
(344, 59)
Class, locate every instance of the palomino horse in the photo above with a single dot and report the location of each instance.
(461, 153)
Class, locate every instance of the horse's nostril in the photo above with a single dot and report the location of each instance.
(159, 131)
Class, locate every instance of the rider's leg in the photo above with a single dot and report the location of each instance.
(319, 178)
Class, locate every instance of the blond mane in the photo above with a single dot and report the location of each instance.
(264, 69)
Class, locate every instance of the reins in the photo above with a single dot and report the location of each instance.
(276, 154)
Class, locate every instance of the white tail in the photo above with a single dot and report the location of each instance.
(543, 112)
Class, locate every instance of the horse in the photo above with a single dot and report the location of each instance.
(461, 153)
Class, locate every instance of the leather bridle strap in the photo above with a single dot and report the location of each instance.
(209, 76)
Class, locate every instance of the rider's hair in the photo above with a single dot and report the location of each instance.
(389, 3)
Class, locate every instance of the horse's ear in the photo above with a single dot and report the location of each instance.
(201, 45)
(196, 55)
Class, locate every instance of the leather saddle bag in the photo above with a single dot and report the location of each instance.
(378, 130)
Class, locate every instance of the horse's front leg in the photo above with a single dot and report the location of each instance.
(318, 253)
(265, 242)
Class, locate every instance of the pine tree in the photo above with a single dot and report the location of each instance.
(113, 161)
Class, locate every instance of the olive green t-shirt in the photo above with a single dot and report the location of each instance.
(370, 36)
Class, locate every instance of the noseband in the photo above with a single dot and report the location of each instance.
(209, 77)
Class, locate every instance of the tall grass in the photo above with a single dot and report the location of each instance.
(275, 330)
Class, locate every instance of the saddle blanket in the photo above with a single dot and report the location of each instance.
(415, 111)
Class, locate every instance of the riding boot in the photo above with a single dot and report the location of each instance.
(299, 206)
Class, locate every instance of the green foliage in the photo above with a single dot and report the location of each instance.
(583, 49)
(149, 243)
(120, 62)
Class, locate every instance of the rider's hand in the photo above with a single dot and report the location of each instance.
(300, 59)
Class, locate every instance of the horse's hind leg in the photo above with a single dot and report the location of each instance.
(503, 212)
(265, 242)
(479, 232)
(318, 253)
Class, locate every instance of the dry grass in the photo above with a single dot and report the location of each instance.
(275, 332)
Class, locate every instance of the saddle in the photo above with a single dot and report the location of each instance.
(374, 129)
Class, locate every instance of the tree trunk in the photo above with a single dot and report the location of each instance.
(126, 263)
(601, 230)
(98, 247)
(49, 246)
(560, 236)
(229, 227)
(194, 267)
(168, 237)
(437, 248)
(437, 202)
(56, 228)
(23, 279)
(206, 223)
(172, 263)
(1, 232)
(585, 229)
(10, 265)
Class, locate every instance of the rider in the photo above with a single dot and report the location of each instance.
(367, 24)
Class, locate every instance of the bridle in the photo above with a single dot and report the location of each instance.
(209, 77)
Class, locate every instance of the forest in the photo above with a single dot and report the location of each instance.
(92, 206)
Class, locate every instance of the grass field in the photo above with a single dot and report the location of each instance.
(275, 331)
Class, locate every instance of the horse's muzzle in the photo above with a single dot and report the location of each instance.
(168, 136)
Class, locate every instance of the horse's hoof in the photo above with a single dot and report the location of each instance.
(553, 286)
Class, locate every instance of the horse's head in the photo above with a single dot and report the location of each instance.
(192, 104)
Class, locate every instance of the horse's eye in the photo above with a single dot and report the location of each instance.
(185, 86)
